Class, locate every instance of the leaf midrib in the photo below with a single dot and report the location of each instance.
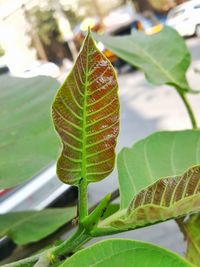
(83, 166)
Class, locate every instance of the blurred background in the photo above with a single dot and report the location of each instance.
(39, 41)
(51, 31)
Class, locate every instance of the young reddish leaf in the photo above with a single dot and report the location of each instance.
(166, 199)
(86, 116)
(160, 155)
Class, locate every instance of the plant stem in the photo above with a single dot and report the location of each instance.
(24, 262)
(180, 222)
(189, 109)
(74, 242)
(30, 261)
(82, 203)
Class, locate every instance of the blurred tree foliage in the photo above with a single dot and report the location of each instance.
(157, 5)
(77, 10)
(73, 17)
(46, 24)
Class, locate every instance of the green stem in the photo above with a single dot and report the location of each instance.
(189, 109)
(82, 203)
(74, 242)
(24, 262)
(180, 222)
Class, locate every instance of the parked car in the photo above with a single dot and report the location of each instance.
(185, 18)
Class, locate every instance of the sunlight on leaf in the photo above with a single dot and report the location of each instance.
(86, 116)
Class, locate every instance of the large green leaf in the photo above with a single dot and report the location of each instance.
(160, 155)
(191, 231)
(28, 142)
(157, 181)
(126, 253)
(31, 226)
(163, 57)
(168, 198)
(86, 116)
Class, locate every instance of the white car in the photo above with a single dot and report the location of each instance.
(185, 18)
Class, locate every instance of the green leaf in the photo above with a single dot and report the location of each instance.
(86, 116)
(28, 142)
(168, 198)
(31, 226)
(160, 155)
(155, 182)
(124, 252)
(163, 57)
(190, 228)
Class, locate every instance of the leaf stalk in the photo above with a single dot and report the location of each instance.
(82, 202)
(188, 108)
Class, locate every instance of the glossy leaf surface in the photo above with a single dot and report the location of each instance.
(31, 226)
(28, 141)
(163, 56)
(123, 252)
(86, 116)
(160, 155)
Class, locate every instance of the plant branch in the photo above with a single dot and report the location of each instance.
(190, 238)
(24, 262)
(74, 242)
(180, 222)
(189, 109)
(33, 248)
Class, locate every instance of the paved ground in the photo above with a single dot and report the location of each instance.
(145, 109)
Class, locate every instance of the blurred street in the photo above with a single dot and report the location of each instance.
(145, 109)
